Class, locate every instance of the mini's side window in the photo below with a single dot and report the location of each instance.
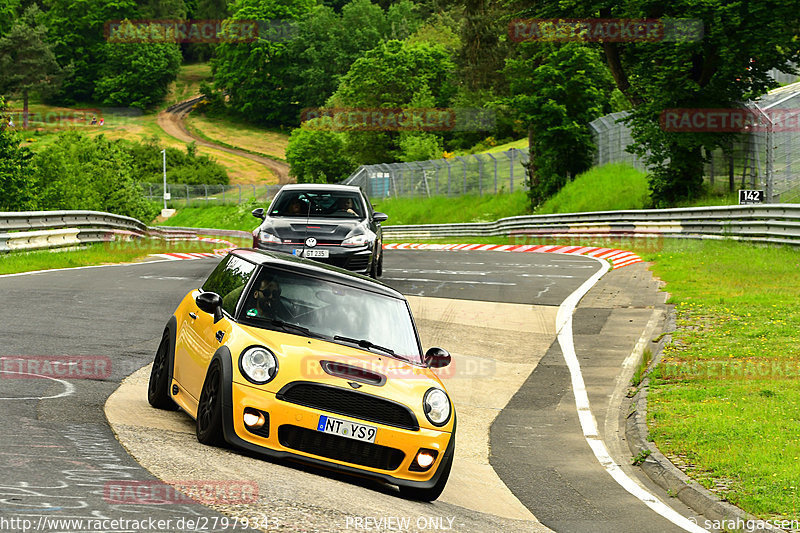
(228, 280)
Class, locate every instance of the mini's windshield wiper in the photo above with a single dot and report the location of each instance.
(294, 327)
(364, 343)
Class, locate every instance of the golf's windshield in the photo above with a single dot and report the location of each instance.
(319, 308)
(326, 204)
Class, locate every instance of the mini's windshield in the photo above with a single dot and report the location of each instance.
(318, 308)
(332, 204)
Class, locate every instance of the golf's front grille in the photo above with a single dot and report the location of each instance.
(349, 403)
(340, 448)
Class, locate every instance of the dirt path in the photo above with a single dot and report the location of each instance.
(171, 121)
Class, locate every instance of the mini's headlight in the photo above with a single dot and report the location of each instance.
(258, 365)
(362, 239)
(436, 405)
(265, 236)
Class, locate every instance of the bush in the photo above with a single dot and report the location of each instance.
(94, 173)
(182, 167)
(317, 156)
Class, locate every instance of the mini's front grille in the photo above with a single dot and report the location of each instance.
(340, 448)
(350, 403)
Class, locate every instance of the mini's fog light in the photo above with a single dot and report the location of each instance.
(254, 419)
(424, 459)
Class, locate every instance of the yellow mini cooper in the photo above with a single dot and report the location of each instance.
(296, 359)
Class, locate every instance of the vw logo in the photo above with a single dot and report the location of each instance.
(311, 242)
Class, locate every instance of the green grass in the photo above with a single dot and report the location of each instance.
(101, 253)
(443, 210)
(237, 217)
(521, 144)
(726, 396)
(606, 188)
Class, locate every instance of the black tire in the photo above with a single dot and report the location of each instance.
(209, 409)
(429, 495)
(379, 271)
(158, 389)
(373, 268)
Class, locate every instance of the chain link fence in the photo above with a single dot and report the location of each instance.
(767, 157)
(182, 195)
(488, 173)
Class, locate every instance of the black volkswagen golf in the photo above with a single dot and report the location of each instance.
(334, 224)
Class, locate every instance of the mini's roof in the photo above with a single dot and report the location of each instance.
(330, 273)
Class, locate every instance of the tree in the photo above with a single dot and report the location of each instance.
(726, 65)
(76, 30)
(16, 168)
(8, 14)
(26, 60)
(556, 90)
(394, 75)
(256, 75)
(137, 74)
(317, 156)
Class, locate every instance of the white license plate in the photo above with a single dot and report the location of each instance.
(311, 253)
(344, 428)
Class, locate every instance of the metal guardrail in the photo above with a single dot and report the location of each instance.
(39, 230)
(773, 223)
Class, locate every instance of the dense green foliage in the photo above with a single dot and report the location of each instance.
(16, 168)
(80, 172)
(256, 75)
(557, 91)
(726, 65)
(137, 74)
(317, 156)
(27, 62)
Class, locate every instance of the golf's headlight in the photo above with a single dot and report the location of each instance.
(265, 236)
(258, 365)
(362, 239)
(436, 405)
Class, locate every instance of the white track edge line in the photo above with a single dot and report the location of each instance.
(587, 420)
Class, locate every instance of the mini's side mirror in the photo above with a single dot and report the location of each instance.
(211, 303)
(380, 217)
(437, 358)
(259, 213)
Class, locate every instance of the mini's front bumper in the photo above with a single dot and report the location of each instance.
(287, 414)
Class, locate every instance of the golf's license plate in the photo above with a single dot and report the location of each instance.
(344, 428)
(311, 253)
